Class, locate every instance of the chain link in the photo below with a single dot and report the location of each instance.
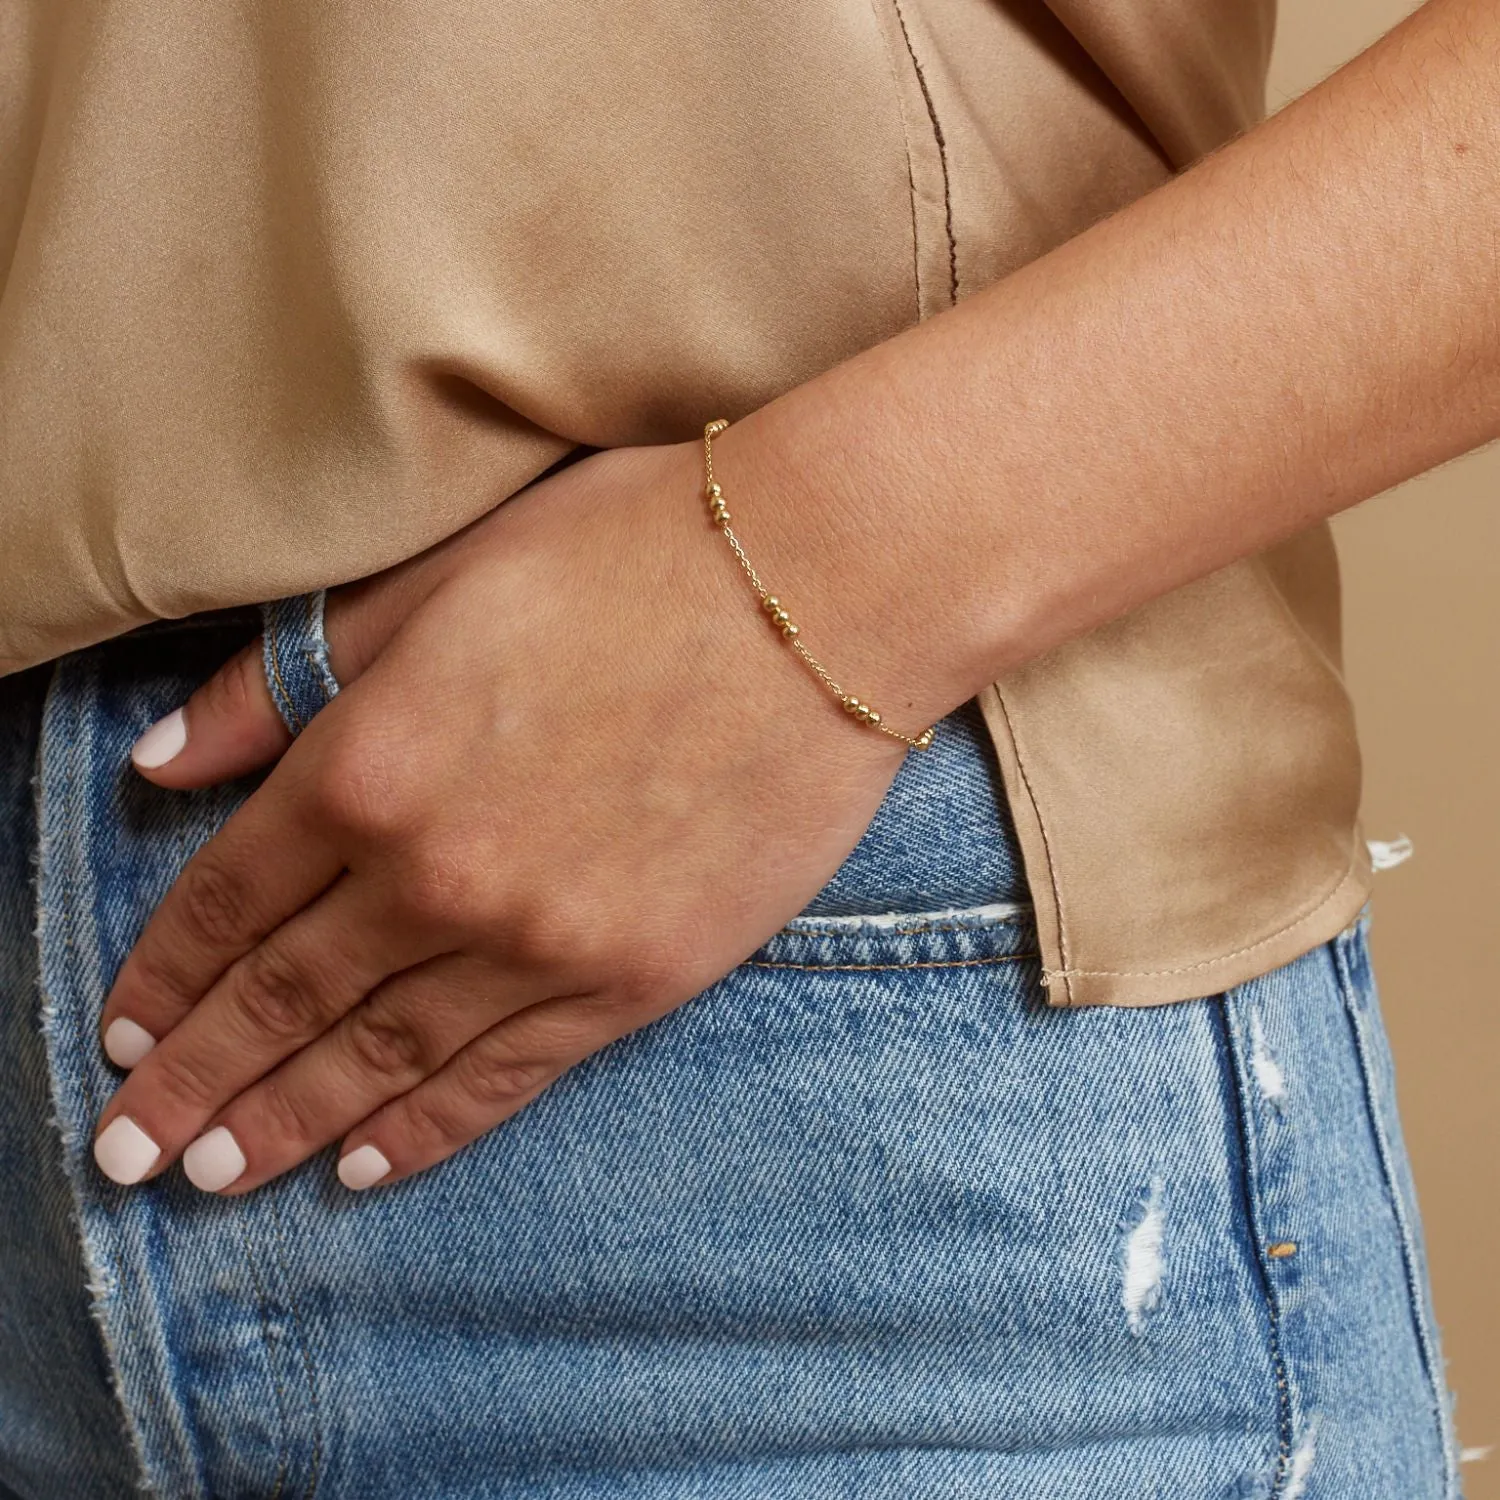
(719, 513)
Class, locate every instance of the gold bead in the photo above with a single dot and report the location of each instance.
(714, 491)
(781, 617)
(789, 631)
(874, 717)
(771, 602)
(851, 704)
(923, 740)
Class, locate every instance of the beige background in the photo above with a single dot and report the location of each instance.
(1422, 613)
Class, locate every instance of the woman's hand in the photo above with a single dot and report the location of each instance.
(572, 779)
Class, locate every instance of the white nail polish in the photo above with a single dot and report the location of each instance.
(125, 1043)
(214, 1160)
(125, 1152)
(362, 1168)
(161, 742)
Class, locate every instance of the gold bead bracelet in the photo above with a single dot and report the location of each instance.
(719, 513)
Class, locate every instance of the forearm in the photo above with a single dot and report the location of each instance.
(1305, 318)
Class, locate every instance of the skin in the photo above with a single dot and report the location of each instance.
(432, 909)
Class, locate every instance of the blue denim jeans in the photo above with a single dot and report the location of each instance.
(865, 1219)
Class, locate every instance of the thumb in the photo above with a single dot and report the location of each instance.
(231, 726)
(228, 727)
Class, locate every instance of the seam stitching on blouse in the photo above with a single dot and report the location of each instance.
(942, 145)
(1066, 972)
(1209, 963)
(911, 177)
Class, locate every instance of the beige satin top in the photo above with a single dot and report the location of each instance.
(289, 292)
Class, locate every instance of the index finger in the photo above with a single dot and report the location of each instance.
(262, 867)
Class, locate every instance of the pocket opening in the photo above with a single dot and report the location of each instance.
(996, 932)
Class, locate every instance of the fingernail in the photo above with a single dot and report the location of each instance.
(161, 742)
(125, 1152)
(362, 1168)
(125, 1043)
(214, 1160)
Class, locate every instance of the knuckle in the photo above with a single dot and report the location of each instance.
(215, 901)
(183, 1080)
(288, 1116)
(358, 792)
(549, 940)
(389, 1047)
(572, 1029)
(646, 972)
(277, 998)
(644, 983)
(434, 1118)
(496, 1077)
(150, 973)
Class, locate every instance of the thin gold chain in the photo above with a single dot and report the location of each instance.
(719, 514)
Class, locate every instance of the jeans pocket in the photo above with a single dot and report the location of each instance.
(998, 932)
(935, 879)
(941, 839)
(295, 652)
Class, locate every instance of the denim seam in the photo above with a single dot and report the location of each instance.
(1250, 1156)
(939, 963)
(92, 1100)
(317, 652)
(104, 1246)
(316, 1411)
(282, 1404)
(1415, 1300)
(880, 932)
(288, 706)
(112, 1257)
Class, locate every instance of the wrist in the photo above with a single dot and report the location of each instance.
(860, 568)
